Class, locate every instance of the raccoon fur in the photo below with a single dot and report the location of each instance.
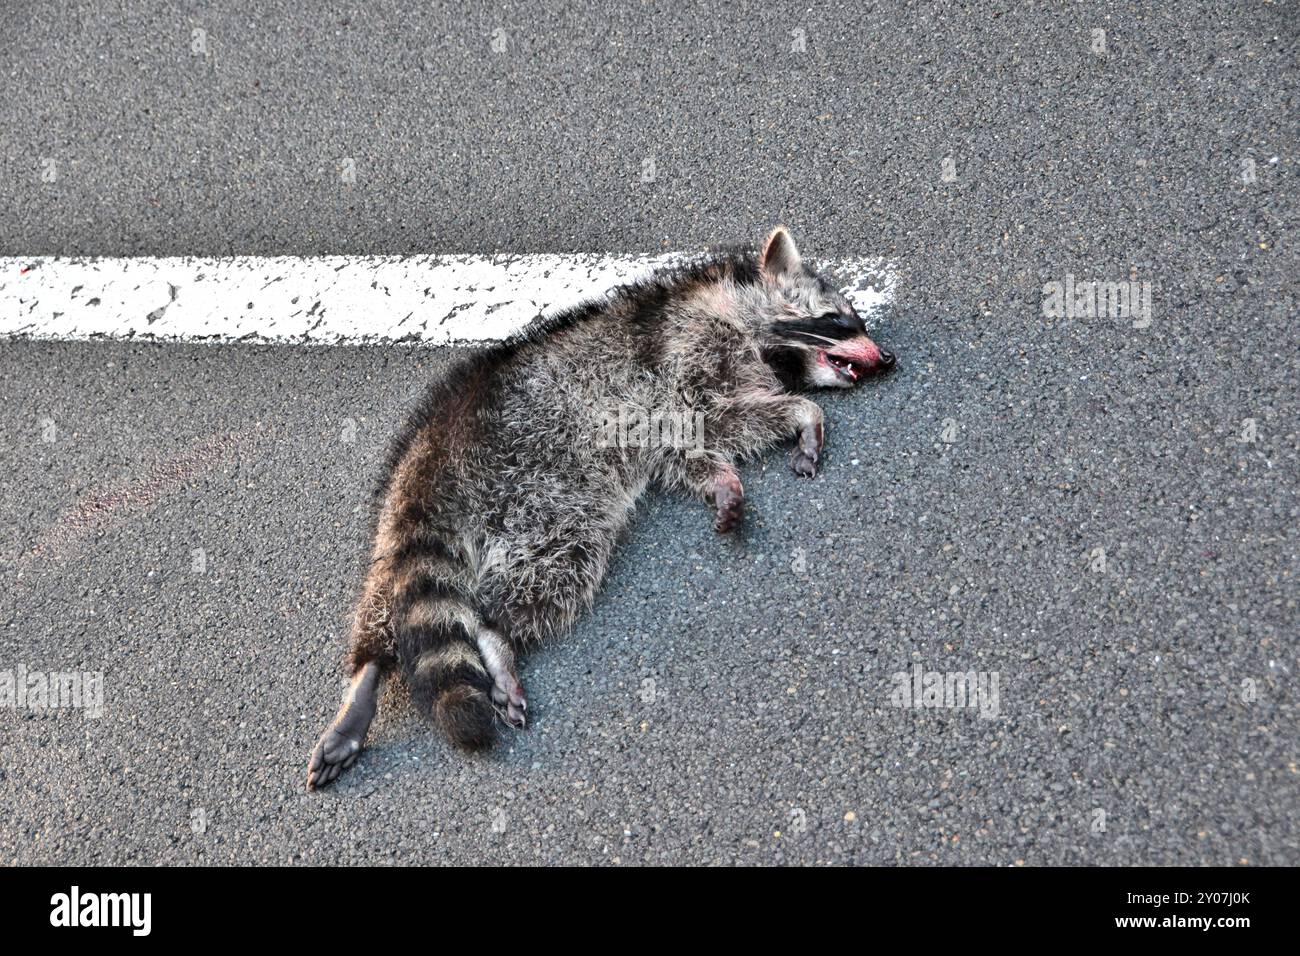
(508, 488)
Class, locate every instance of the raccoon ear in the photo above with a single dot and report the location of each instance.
(780, 254)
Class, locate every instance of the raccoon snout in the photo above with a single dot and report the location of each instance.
(855, 358)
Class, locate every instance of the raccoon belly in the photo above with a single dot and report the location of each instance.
(546, 556)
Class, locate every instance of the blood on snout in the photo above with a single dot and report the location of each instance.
(860, 349)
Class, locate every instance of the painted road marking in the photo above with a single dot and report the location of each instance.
(337, 300)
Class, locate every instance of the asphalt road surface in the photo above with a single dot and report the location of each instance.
(1100, 512)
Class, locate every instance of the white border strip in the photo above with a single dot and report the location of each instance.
(336, 300)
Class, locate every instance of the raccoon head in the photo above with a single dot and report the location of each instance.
(811, 335)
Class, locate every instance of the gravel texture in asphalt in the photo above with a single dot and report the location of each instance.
(1099, 511)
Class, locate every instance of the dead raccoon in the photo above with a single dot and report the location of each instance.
(507, 489)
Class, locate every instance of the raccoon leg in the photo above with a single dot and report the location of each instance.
(369, 657)
(773, 417)
(758, 419)
(340, 744)
(507, 691)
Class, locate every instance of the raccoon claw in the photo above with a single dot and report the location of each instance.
(728, 503)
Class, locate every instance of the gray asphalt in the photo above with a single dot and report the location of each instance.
(954, 524)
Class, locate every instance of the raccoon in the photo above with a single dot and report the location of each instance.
(505, 493)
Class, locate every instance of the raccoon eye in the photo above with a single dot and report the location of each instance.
(843, 320)
(854, 321)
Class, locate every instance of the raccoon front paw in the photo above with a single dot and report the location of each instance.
(728, 502)
(803, 465)
(807, 451)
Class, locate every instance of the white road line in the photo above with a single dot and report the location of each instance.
(436, 300)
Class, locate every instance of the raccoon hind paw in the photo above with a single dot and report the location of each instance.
(340, 745)
(511, 705)
(334, 753)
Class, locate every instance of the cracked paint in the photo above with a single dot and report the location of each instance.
(355, 299)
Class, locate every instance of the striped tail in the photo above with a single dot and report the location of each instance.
(434, 630)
